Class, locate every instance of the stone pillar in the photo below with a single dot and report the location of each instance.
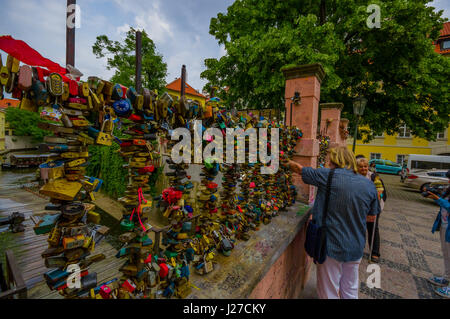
(330, 120)
(306, 80)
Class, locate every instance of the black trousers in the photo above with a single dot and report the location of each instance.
(376, 240)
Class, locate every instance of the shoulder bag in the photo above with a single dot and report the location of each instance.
(316, 237)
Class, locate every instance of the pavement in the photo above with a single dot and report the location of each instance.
(410, 253)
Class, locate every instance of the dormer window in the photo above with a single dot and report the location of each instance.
(445, 44)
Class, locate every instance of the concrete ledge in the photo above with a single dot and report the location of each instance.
(236, 276)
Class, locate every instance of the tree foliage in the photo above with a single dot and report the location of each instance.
(394, 66)
(121, 56)
(24, 123)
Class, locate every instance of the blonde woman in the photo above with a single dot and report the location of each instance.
(352, 198)
(372, 222)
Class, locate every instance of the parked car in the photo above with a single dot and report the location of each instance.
(419, 179)
(386, 166)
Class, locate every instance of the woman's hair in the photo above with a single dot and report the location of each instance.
(342, 157)
(361, 160)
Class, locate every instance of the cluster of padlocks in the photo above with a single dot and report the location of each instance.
(199, 226)
(324, 145)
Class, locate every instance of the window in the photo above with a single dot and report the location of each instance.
(375, 156)
(404, 131)
(441, 135)
(400, 159)
(445, 45)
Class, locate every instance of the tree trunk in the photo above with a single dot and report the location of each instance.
(322, 12)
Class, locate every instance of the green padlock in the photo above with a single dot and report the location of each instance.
(170, 254)
(126, 225)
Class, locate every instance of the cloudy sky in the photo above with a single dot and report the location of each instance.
(179, 28)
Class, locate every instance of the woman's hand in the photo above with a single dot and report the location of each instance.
(432, 196)
(296, 167)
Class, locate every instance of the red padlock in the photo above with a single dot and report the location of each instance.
(125, 144)
(129, 285)
(124, 90)
(148, 259)
(105, 292)
(212, 185)
(135, 118)
(147, 169)
(163, 271)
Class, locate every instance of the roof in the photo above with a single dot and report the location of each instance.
(5, 103)
(445, 30)
(176, 86)
(444, 34)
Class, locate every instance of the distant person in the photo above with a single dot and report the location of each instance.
(352, 198)
(404, 172)
(373, 168)
(372, 222)
(441, 225)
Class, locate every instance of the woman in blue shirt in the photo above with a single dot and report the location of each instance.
(352, 198)
(441, 225)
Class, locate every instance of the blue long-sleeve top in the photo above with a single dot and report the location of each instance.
(444, 204)
(352, 198)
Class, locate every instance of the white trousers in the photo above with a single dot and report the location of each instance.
(338, 280)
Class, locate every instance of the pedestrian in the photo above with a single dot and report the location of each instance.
(404, 172)
(373, 232)
(373, 168)
(441, 224)
(352, 198)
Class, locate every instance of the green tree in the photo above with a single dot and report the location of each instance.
(394, 66)
(121, 57)
(24, 123)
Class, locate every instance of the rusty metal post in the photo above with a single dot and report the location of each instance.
(138, 61)
(183, 81)
(70, 36)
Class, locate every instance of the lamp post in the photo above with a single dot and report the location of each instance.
(359, 104)
(296, 99)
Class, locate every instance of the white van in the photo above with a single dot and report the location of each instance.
(426, 162)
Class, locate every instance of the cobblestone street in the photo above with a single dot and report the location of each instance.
(410, 253)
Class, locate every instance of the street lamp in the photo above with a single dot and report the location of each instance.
(359, 104)
(296, 99)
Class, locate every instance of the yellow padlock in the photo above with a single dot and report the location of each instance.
(104, 138)
(28, 105)
(210, 256)
(76, 162)
(66, 93)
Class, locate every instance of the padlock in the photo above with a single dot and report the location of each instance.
(28, 104)
(122, 108)
(80, 122)
(108, 89)
(117, 92)
(95, 101)
(83, 89)
(66, 93)
(55, 84)
(39, 92)
(104, 138)
(25, 78)
(78, 106)
(4, 75)
(12, 65)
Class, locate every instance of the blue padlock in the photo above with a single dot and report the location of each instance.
(122, 108)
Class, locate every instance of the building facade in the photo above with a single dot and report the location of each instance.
(396, 147)
(174, 90)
